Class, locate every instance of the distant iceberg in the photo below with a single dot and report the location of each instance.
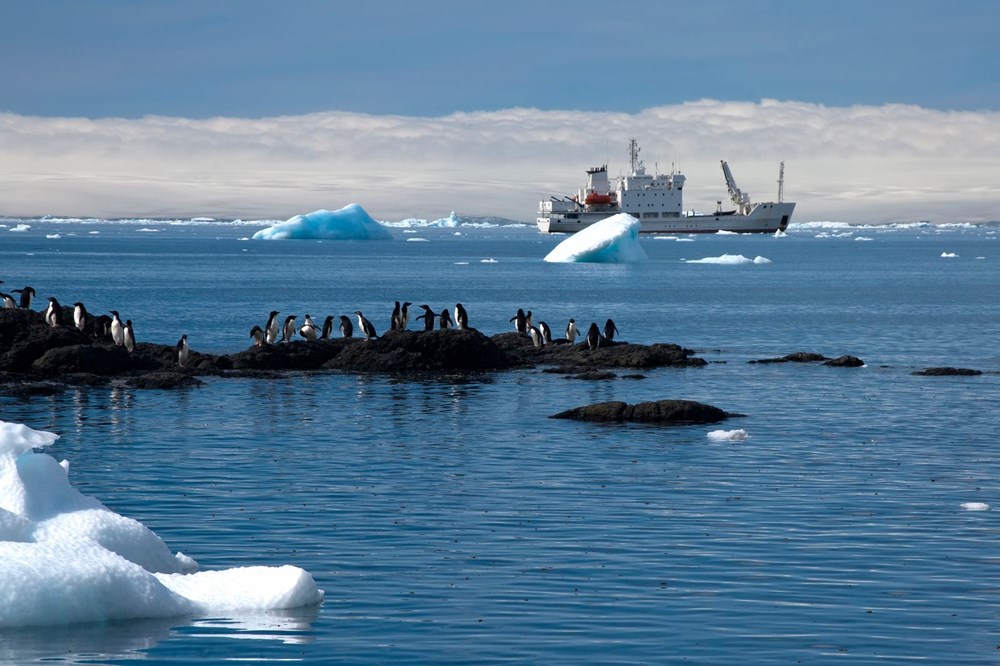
(351, 222)
(67, 558)
(415, 222)
(730, 260)
(611, 241)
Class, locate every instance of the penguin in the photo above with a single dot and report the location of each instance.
(8, 301)
(79, 315)
(572, 331)
(527, 320)
(257, 333)
(346, 328)
(327, 328)
(288, 329)
(128, 336)
(461, 317)
(520, 321)
(366, 326)
(428, 316)
(593, 337)
(536, 337)
(394, 319)
(27, 294)
(183, 351)
(308, 330)
(102, 326)
(610, 330)
(546, 333)
(445, 320)
(271, 327)
(404, 316)
(116, 329)
(53, 313)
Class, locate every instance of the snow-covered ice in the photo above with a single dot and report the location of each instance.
(20, 228)
(948, 255)
(728, 435)
(611, 241)
(975, 506)
(351, 222)
(67, 558)
(729, 260)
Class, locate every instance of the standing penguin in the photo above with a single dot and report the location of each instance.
(53, 313)
(308, 330)
(366, 326)
(327, 328)
(346, 327)
(610, 330)
(257, 333)
(428, 316)
(8, 301)
(79, 315)
(395, 318)
(102, 326)
(116, 329)
(520, 321)
(183, 351)
(546, 332)
(128, 336)
(593, 337)
(527, 320)
(461, 317)
(27, 294)
(572, 331)
(445, 320)
(271, 328)
(404, 316)
(536, 337)
(288, 329)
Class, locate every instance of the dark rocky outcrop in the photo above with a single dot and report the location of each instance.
(845, 361)
(576, 359)
(437, 351)
(163, 380)
(669, 412)
(945, 371)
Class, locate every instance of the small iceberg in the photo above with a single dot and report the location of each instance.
(728, 435)
(352, 222)
(67, 558)
(614, 240)
(975, 506)
(729, 260)
(948, 255)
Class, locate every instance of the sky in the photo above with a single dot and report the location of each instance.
(881, 110)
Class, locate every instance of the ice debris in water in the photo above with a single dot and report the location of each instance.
(352, 222)
(948, 255)
(66, 558)
(728, 435)
(975, 506)
(614, 240)
(729, 260)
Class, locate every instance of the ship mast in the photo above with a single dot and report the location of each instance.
(781, 182)
(633, 153)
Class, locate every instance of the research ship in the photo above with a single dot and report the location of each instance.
(657, 202)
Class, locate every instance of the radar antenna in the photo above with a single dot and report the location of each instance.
(633, 153)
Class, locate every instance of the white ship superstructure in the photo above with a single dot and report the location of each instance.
(657, 202)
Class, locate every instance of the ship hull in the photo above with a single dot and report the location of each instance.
(765, 218)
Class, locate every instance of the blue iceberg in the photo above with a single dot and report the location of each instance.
(611, 241)
(352, 222)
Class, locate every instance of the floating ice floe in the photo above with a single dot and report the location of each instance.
(351, 222)
(729, 260)
(948, 255)
(20, 228)
(975, 506)
(614, 240)
(863, 238)
(416, 240)
(444, 222)
(491, 260)
(67, 558)
(728, 435)
(53, 236)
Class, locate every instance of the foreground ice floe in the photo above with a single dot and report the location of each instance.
(352, 222)
(65, 557)
(611, 241)
(729, 260)
(975, 506)
(728, 435)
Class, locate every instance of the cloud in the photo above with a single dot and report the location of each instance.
(856, 164)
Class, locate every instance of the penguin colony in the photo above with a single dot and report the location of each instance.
(276, 329)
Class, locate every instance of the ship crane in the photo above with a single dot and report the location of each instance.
(740, 198)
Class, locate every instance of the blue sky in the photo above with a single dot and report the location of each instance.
(255, 58)
(883, 110)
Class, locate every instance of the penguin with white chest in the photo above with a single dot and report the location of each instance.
(461, 317)
(367, 328)
(257, 333)
(79, 315)
(128, 336)
(308, 330)
(271, 328)
(8, 301)
(117, 329)
(404, 316)
(183, 351)
(346, 327)
(288, 329)
(572, 331)
(546, 333)
(53, 313)
(327, 328)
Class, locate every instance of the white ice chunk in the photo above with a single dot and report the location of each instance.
(975, 506)
(729, 260)
(351, 222)
(66, 558)
(614, 240)
(948, 255)
(728, 435)
(20, 228)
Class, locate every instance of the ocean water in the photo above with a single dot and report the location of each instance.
(451, 521)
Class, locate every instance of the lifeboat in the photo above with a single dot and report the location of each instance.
(595, 199)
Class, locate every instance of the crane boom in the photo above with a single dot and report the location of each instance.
(740, 199)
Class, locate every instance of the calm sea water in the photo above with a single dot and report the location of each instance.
(450, 521)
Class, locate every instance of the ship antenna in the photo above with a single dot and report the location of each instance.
(781, 182)
(633, 153)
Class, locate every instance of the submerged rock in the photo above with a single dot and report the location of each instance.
(670, 412)
(797, 357)
(946, 371)
(163, 380)
(846, 361)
